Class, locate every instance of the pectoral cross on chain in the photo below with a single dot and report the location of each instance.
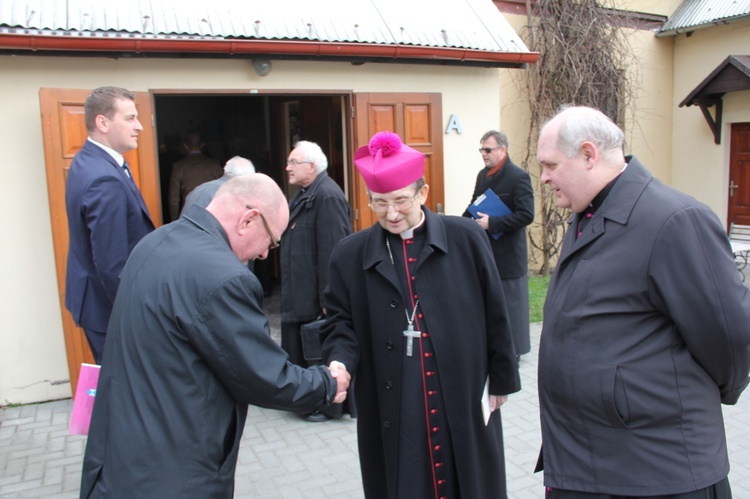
(410, 333)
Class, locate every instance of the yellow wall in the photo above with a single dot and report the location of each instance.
(656, 7)
(699, 166)
(32, 356)
(674, 143)
(648, 121)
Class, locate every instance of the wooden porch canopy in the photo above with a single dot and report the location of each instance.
(732, 75)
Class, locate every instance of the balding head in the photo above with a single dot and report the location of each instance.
(241, 204)
(580, 151)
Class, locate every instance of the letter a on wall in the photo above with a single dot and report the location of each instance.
(453, 124)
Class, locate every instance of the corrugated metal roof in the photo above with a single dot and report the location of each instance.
(694, 14)
(467, 24)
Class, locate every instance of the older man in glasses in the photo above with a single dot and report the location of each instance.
(188, 349)
(506, 230)
(416, 313)
(319, 217)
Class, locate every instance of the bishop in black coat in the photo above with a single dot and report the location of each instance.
(420, 422)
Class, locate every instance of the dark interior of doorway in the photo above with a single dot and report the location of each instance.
(262, 128)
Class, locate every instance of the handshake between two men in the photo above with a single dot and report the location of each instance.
(342, 377)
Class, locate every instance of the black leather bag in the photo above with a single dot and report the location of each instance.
(311, 340)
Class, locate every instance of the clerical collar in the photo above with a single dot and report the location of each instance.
(599, 199)
(409, 233)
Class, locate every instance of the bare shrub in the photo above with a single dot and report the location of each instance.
(584, 59)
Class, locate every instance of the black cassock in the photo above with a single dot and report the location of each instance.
(419, 420)
(425, 455)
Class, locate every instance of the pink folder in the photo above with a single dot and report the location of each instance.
(83, 403)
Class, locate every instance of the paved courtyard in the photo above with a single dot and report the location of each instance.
(283, 456)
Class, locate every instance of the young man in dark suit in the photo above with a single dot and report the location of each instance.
(106, 213)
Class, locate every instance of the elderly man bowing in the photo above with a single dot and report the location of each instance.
(416, 312)
(189, 348)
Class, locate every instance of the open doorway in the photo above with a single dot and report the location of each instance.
(261, 128)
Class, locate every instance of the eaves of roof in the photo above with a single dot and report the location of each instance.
(124, 45)
(732, 75)
(460, 32)
(692, 15)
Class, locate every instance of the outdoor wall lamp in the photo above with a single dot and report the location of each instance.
(262, 66)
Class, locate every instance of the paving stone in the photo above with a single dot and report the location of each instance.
(283, 456)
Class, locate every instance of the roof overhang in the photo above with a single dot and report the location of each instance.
(732, 75)
(695, 27)
(128, 45)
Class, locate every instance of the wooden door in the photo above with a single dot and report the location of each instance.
(739, 175)
(416, 118)
(64, 133)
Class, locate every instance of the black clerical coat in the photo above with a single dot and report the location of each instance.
(188, 348)
(646, 334)
(463, 307)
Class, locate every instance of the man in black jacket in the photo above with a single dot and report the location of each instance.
(507, 233)
(646, 327)
(189, 348)
(319, 217)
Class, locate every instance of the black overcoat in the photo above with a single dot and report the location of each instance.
(646, 333)
(188, 347)
(464, 309)
(318, 219)
(513, 186)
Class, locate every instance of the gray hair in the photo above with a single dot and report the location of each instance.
(238, 166)
(500, 138)
(585, 124)
(314, 154)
